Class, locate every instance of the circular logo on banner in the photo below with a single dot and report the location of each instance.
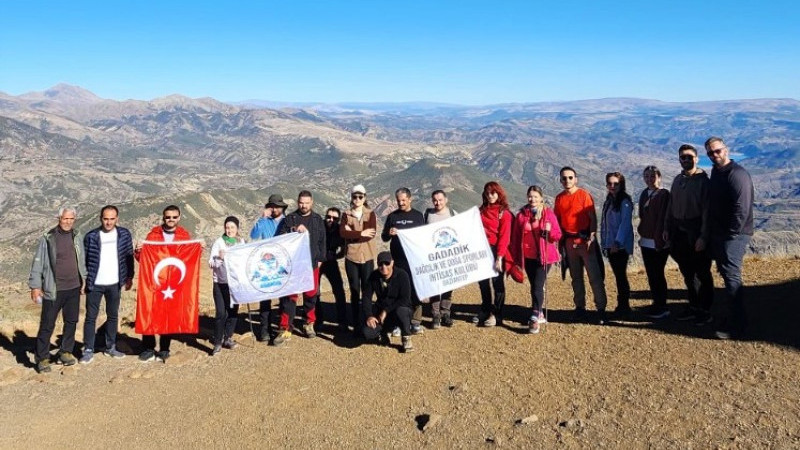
(445, 237)
(268, 268)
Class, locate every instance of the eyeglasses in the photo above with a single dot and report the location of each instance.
(171, 217)
(384, 264)
(331, 218)
(565, 178)
(686, 157)
(715, 151)
(357, 196)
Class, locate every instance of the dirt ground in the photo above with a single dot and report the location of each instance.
(633, 384)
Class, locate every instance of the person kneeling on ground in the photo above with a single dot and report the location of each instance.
(392, 288)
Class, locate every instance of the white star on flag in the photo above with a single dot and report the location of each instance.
(168, 292)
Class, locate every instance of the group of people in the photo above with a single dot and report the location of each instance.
(701, 219)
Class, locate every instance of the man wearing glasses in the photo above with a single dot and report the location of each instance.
(686, 229)
(330, 268)
(392, 287)
(731, 227)
(574, 209)
(265, 228)
(168, 231)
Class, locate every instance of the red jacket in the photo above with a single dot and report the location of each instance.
(497, 226)
(548, 216)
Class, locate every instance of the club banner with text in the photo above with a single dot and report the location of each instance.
(448, 254)
(269, 269)
(167, 294)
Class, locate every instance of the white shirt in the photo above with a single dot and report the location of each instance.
(108, 270)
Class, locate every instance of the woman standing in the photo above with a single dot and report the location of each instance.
(496, 218)
(653, 204)
(616, 233)
(358, 228)
(225, 321)
(534, 239)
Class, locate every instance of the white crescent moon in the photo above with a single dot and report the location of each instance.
(171, 261)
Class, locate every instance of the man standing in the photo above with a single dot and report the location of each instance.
(392, 287)
(574, 208)
(265, 228)
(304, 220)
(330, 268)
(402, 218)
(731, 227)
(440, 304)
(168, 231)
(686, 229)
(109, 266)
(56, 281)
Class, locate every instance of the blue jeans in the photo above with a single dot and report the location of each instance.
(112, 294)
(728, 252)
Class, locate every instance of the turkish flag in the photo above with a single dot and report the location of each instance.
(167, 297)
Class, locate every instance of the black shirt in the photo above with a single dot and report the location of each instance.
(391, 293)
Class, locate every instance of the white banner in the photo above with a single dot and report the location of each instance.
(270, 268)
(448, 254)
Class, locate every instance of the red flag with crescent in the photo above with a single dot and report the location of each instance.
(167, 297)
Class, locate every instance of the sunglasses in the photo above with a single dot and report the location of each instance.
(570, 177)
(331, 218)
(715, 151)
(686, 157)
(384, 264)
(357, 196)
(171, 217)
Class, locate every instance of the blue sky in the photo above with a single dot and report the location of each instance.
(466, 52)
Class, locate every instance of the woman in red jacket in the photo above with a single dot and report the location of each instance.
(534, 245)
(496, 219)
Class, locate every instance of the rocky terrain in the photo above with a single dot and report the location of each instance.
(632, 384)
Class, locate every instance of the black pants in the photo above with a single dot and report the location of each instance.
(149, 342)
(112, 294)
(226, 317)
(416, 305)
(696, 270)
(487, 305)
(654, 263)
(619, 265)
(537, 275)
(67, 302)
(330, 269)
(357, 278)
(400, 317)
(265, 312)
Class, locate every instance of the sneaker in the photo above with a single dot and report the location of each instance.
(162, 356)
(217, 348)
(687, 315)
(66, 359)
(281, 338)
(114, 353)
(437, 323)
(723, 335)
(579, 315)
(88, 356)
(396, 332)
(229, 343)
(147, 356)
(533, 326)
(407, 345)
(447, 320)
(490, 321)
(309, 331)
(43, 366)
(703, 318)
(658, 313)
(417, 329)
(541, 318)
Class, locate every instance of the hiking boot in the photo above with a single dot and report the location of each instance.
(162, 356)
(533, 326)
(396, 332)
(114, 353)
(417, 329)
(437, 323)
(281, 338)
(407, 345)
(309, 331)
(687, 315)
(88, 356)
(217, 348)
(229, 343)
(490, 321)
(658, 312)
(384, 339)
(147, 355)
(579, 315)
(66, 359)
(447, 320)
(43, 366)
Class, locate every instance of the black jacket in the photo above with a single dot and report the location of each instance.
(391, 293)
(316, 230)
(731, 201)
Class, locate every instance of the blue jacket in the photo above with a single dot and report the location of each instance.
(91, 244)
(617, 226)
(265, 228)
